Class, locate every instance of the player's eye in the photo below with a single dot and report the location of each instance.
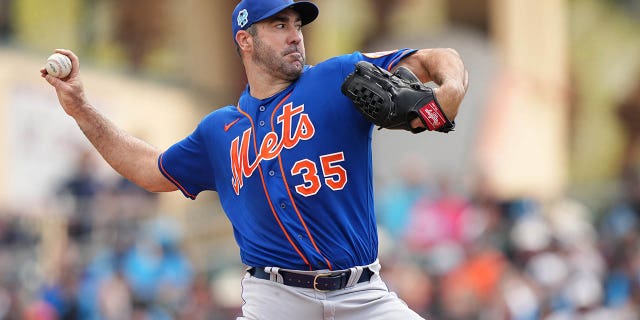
(280, 26)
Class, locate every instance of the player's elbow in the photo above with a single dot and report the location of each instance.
(452, 51)
(156, 184)
(164, 187)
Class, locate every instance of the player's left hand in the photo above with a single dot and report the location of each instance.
(416, 123)
(395, 101)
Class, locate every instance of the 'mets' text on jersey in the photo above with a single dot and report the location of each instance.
(292, 171)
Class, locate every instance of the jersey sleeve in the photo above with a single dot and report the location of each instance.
(187, 165)
(385, 59)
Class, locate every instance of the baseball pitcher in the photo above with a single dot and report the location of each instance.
(291, 161)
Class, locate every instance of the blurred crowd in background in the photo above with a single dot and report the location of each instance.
(475, 256)
(448, 254)
(452, 245)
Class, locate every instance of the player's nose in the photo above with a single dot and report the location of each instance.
(295, 36)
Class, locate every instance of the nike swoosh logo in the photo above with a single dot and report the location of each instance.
(229, 125)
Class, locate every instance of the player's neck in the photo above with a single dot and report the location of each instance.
(263, 84)
(262, 90)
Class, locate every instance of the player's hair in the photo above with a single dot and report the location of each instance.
(253, 31)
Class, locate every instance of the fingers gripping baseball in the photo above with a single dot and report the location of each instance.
(69, 89)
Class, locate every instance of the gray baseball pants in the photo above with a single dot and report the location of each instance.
(272, 300)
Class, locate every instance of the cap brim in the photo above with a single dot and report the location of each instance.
(307, 10)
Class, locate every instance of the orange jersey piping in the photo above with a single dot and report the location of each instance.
(295, 207)
(264, 186)
(173, 180)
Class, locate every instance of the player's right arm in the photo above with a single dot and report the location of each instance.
(131, 157)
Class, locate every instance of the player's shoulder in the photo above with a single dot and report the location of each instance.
(346, 62)
(358, 55)
(220, 115)
(335, 64)
(341, 59)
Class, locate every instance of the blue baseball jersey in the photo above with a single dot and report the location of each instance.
(293, 171)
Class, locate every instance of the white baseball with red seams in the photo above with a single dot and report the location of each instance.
(58, 65)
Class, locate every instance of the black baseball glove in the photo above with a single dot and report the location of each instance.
(393, 100)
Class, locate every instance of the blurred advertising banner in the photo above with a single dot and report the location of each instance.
(40, 144)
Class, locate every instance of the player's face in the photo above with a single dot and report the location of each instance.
(279, 47)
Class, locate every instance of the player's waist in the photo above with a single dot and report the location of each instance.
(297, 252)
(319, 280)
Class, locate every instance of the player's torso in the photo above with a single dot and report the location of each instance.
(297, 165)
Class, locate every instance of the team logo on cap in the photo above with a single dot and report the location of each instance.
(243, 18)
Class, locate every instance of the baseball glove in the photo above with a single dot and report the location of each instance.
(393, 100)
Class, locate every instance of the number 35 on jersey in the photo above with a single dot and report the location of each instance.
(334, 176)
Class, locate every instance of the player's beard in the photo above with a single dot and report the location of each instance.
(278, 63)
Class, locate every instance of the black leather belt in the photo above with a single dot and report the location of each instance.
(321, 282)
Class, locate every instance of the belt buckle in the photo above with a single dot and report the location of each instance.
(315, 281)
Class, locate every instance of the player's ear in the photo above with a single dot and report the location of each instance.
(244, 40)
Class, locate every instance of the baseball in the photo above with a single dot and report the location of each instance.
(58, 65)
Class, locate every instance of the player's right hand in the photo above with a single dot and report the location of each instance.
(69, 90)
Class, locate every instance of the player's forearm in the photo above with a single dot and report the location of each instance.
(131, 157)
(450, 95)
(446, 69)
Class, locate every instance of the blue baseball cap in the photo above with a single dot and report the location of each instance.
(248, 12)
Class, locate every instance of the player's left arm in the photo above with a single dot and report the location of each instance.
(445, 68)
